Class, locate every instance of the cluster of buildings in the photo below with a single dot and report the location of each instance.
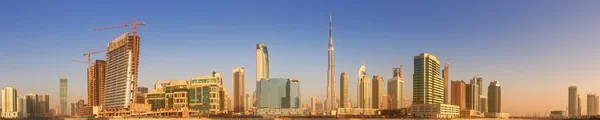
(24, 105)
(574, 106)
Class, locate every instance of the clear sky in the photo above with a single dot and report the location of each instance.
(535, 48)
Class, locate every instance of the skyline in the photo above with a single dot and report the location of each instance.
(522, 45)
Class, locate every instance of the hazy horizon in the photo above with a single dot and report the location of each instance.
(535, 49)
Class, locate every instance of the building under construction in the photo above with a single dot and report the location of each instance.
(96, 80)
(121, 75)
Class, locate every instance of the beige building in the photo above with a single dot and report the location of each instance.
(395, 90)
(344, 101)
(458, 94)
(262, 62)
(239, 101)
(483, 103)
(364, 93)
(435, 111)
(9, 103)
(376, 92)
(428, 86)
(592, 104)
(446, 77)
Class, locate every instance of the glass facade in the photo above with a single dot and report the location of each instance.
(278, 93)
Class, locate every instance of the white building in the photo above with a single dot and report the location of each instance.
(9, 103)
(434, 111)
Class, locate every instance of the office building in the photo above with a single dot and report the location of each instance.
(472, 99)
(446, 77)
(364, 93)
(344, 100)
(63, 96)
(238, 90)
(395, 90)
(30, 109)
(9, 103)
(495, 97)
(592, 104)
(479, 82)
(428, 90)
(43, 105)
(278, 93)
(428, 85)
(142, 90)
(122, 58)
(73, 110)
(458, 94)
(200, 87)
(376, 92)
(96, 82)
(483, 103)
(331, 99)
(262, 62)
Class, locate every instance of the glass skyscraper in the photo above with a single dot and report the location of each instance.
(278, 93)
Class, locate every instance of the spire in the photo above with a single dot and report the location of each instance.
(330, 30)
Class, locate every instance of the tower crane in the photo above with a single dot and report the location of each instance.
(89, 54)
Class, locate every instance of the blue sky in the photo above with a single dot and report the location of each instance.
(536, 49)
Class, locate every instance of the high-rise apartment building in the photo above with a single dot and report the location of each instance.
(428, 86)
(458, 94)
(494, 97)
(31, 102)
(479, 82)
(385, 102)
(446, 77)
(238, 90)
(262, 62)
(43, 105)
(483, 103)
(472, 99)
(9, 103)
(122, 61)
(376, 92)
(364, 92)
(592, 104)
(344, 101)
(331, 102)
(573, 102)
(395, 90)
(63, 96)
(96, 82)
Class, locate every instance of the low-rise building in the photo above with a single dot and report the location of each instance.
(497, 115)
(435, 111)
(282, 112)
(356, 111)
(470, 114)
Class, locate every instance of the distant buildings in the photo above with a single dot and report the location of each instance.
(458, 94)
(364, 93)
(483, 103)
(573, 102)
(278, 93)
(122, 58)
(238, 90)
(446, 77)
(262, 62)
(592, 104)
(428, 90)
(395, 90)
(313, 105)
(9, 103)
(63, 96)
(376, 92)
(344, 100)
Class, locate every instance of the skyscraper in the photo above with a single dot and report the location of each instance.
(238, 90)
(573, 95)
(472, 99)
(395, 90)
(331, 99)
(592, 104)
(428, 86)
(96, 82)
(494, 97)
(364, 93)
(479, 82)
(458, 94)
(278, 93)
(63, 96)
(313, 104)
(43, 105)
(446, 76)
(262, 62)
(9, 102)
(376, 92)
(483, 103)
(344, 101)
(122, 60)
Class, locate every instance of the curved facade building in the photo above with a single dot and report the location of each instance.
(262, 62)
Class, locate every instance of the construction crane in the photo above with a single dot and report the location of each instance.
(89, 60)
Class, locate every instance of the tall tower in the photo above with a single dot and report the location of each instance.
(262, 62)
(63, 96)
(96, 81)
(364, 93)
(344, 101)
(573, 95)
(592, 104)
(446, 76)
(458, 94)
(376, 92)
(122, 60)
(428, 86)
(238, 90)
(495, 97)
(9, 102)
(331, 99)
(395, 90)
